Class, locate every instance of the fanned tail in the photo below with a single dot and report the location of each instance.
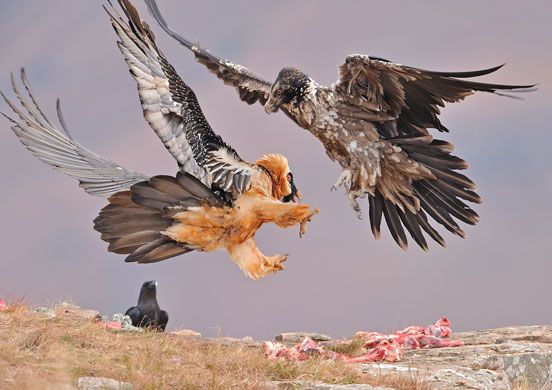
(442, 197)
(134, 220)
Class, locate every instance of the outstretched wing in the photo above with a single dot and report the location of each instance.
(412, 96)
(403, 103)
(172, 109)
(96, 175)
(250, 87)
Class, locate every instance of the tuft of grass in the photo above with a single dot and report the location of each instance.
(349, 347)
(41, 352)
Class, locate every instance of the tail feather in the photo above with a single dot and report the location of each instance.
(394, 223)
(376, 210)
(412, 224)
(133, 221)
(441, 197)
(424, 223)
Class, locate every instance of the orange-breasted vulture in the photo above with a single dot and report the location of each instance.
(215, 201)
(374, 122)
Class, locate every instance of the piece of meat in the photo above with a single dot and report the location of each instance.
(378, 347)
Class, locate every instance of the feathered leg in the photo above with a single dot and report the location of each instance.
(251, 260)
(285, 214)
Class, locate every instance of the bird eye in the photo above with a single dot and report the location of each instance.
(278, 92)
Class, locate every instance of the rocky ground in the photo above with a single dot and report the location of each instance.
(495, 359)
(65, 344)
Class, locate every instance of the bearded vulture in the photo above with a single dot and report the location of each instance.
(374, 122)
(216, 200)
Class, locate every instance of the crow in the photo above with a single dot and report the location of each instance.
(147, 314)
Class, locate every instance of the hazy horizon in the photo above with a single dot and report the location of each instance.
(338, 278)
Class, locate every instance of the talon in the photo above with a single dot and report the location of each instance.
(303, 223)
(345, 179)
(303, 228)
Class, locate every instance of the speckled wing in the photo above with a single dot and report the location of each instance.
(251, 88)
(97, 175)
(412, 96)
(173, 111)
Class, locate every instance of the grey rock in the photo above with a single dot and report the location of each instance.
(126, 322)
(46, 311)
(93, 383)
(296, 337)
(66, 309)
(495, 359)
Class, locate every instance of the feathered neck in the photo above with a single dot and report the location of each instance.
(277, 168)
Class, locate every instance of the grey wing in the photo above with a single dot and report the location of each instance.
(251, 88)
(410, 95)
(173, 111)
(96, 175)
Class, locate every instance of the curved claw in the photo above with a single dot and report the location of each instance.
(303, 224)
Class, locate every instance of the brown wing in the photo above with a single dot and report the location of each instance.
(251, 87)
(411, 95)
(403, 102)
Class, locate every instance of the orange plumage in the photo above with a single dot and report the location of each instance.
(206, 226)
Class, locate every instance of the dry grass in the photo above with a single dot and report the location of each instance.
(41, 352)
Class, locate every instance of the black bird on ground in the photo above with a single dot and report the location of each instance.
(375, 121)
(147, 313)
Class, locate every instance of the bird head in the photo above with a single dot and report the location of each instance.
(149, 289)
(295, 194)
(290, 87)
(277, 167)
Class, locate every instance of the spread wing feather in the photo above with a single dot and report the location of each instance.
(251, 88)
(96, 175)
(173, 111)
(411, 95)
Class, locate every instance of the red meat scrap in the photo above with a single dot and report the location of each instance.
(377, 346)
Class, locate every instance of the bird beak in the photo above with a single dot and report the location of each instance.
(271, 105)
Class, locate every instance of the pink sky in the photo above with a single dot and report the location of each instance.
(338, 278)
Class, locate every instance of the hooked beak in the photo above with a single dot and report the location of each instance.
(271, 105)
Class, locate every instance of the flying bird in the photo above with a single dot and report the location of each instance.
(215, 201)
(147, 314)
(374, 122)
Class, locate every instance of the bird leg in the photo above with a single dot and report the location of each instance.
(303, 223)
(345, 180)
(350, 178)
(285, 214)
(251, 260)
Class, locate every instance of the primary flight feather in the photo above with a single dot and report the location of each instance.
(374, 122)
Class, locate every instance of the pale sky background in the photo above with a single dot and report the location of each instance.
(338, 278)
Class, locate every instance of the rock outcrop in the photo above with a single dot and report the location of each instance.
(496, 359)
